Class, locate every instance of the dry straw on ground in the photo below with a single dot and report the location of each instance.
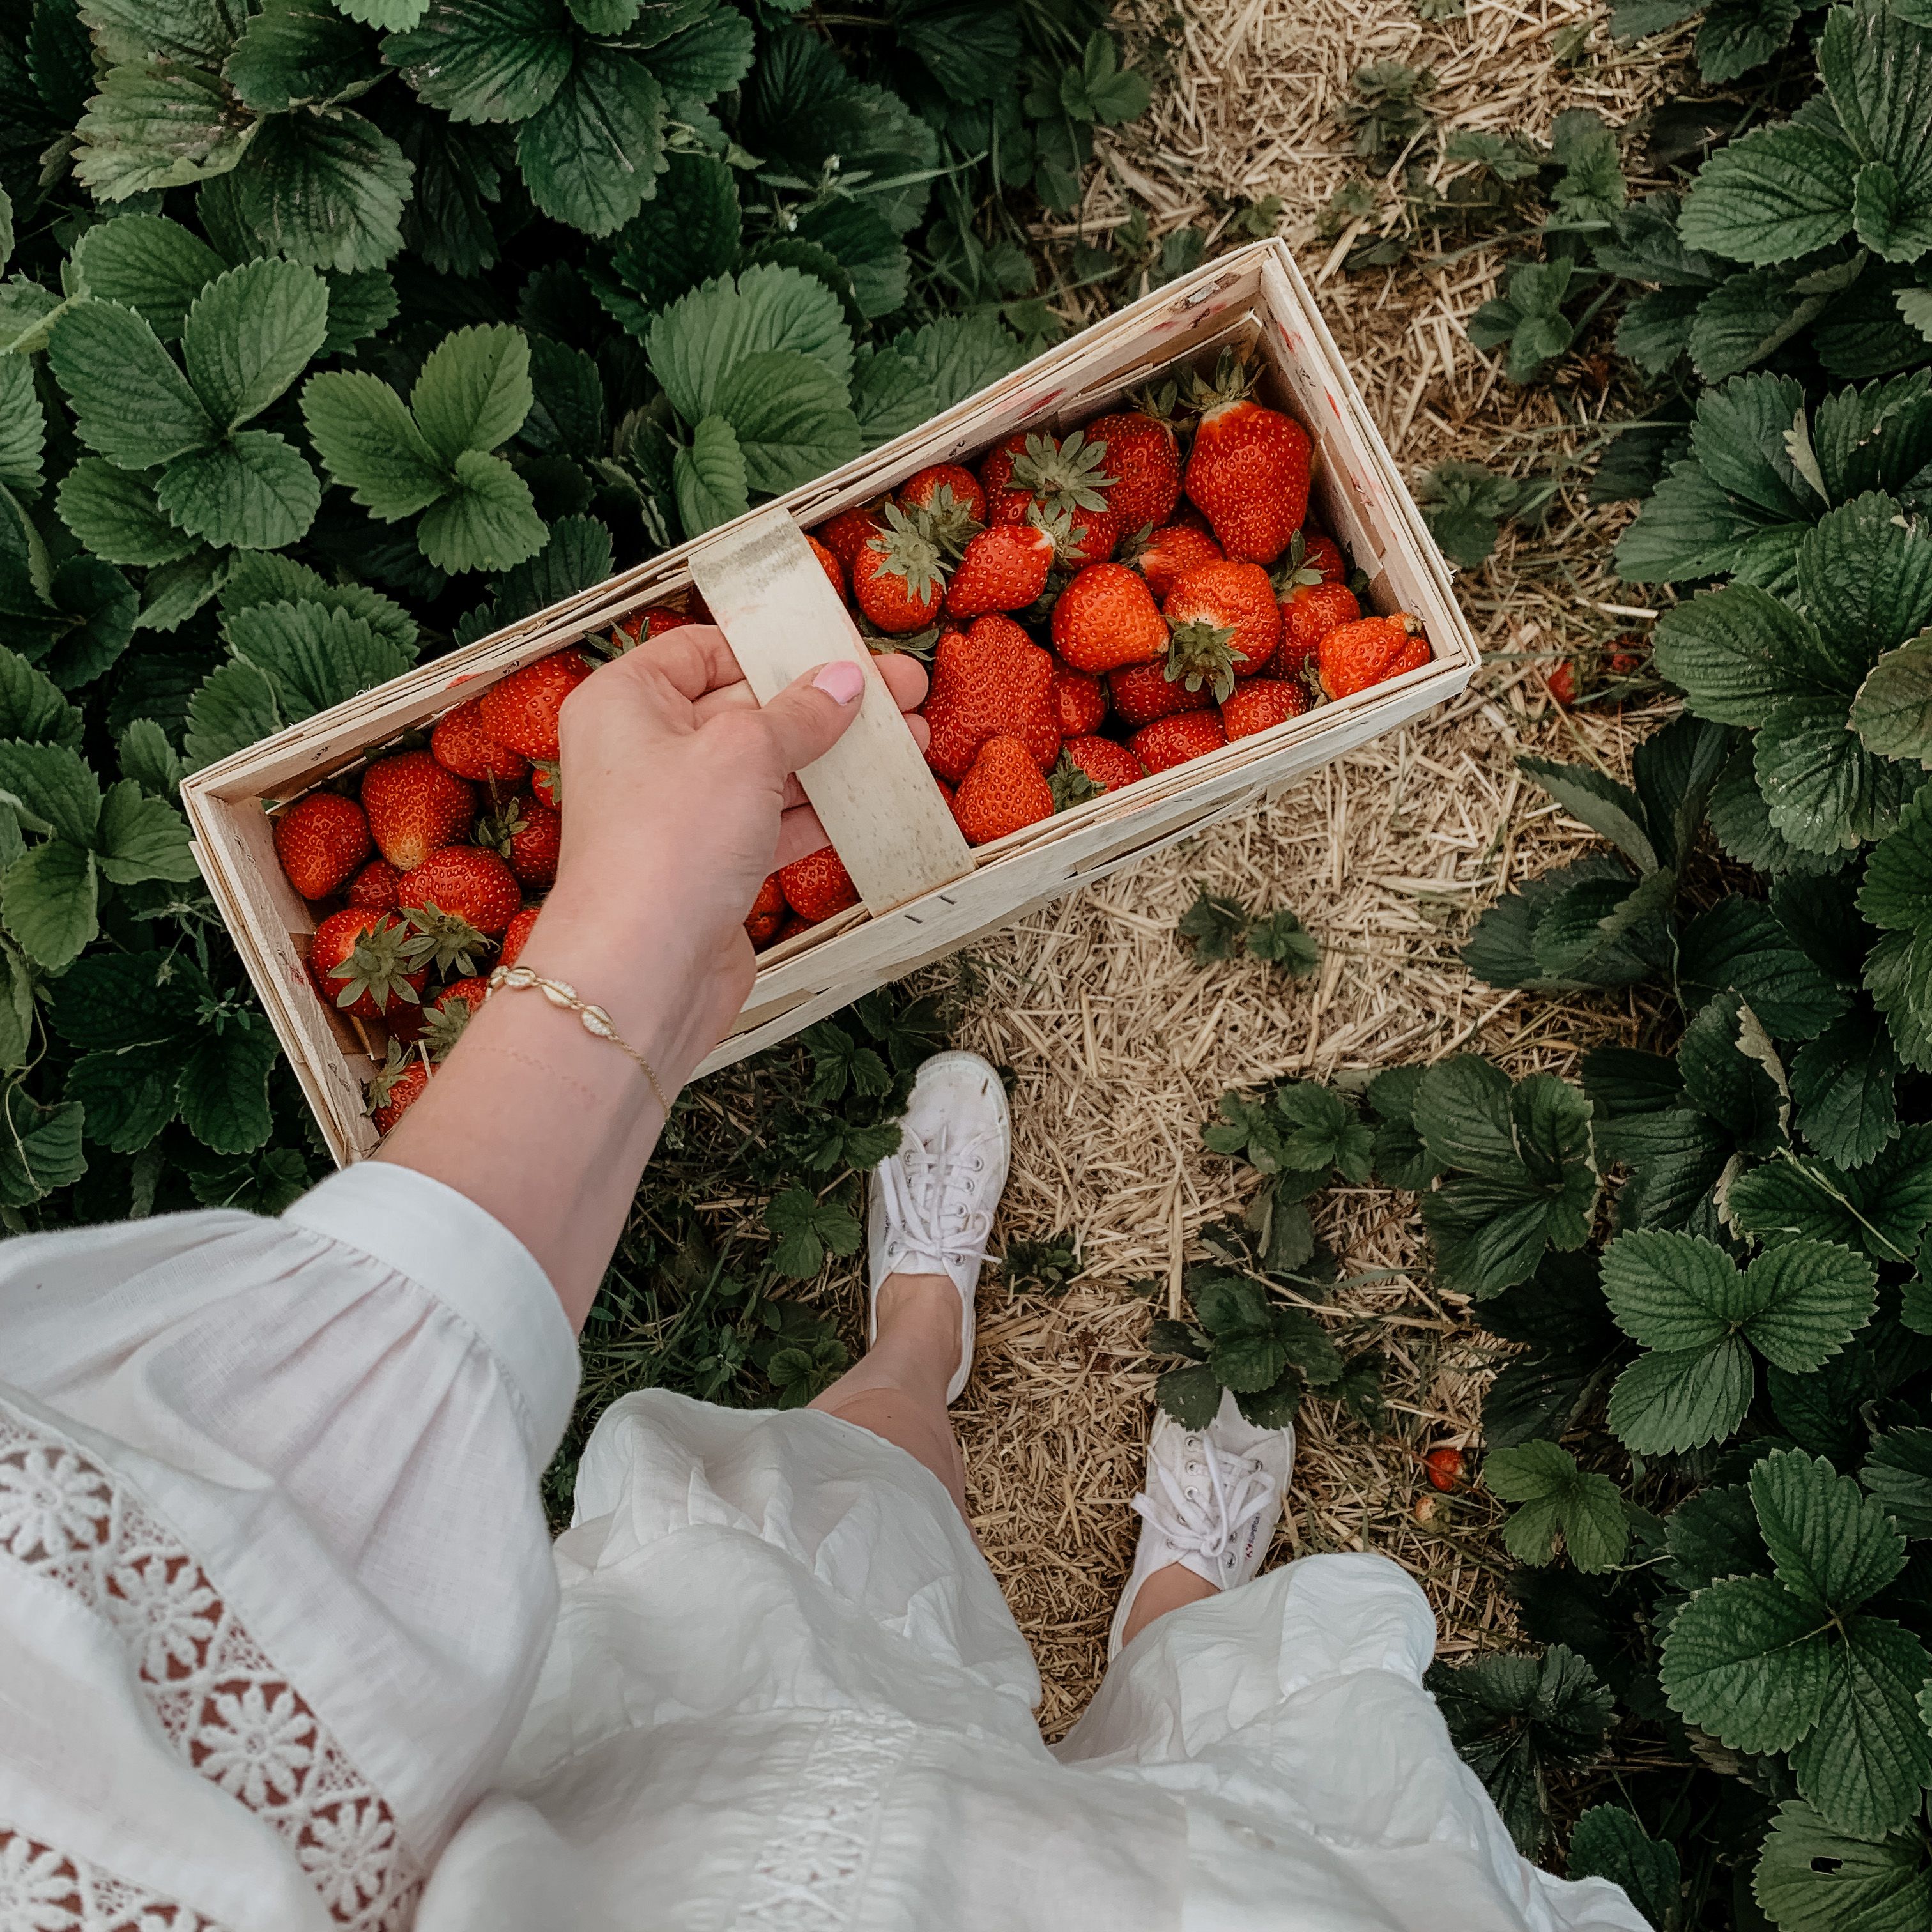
(1119, 1048)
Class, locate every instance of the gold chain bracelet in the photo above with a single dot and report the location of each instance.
(513, 979)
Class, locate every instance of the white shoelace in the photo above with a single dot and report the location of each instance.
(929, 1198)
(1210, 1524)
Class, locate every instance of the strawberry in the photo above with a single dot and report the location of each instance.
(1311, 558)
(951, 501)
(1311, 611)
(527, 835)
(817, 886)
(835, 571)
(1226, 625)
(1089, 766)
(795, 923)
(1003, 569)
(1084, 536)
(1167, 555)
(515, 933)
(1002, 792)
(768, 911)
(466, 883)
(547, 784)
(362, 963)
(1250, 468)
(321, 840)
(521, 710)
(1357, 656)
(1141, 693)
(991, 681)
(1168, 742)
(664, 619)
(1443, 1466)
(1261, 703)
(1080, 700)
(996, 470)
(461, 744)
(1560, 683)
(1107, 617)
(1140, 452)
(847, 534)
(897, 576)
(1052, 477)
(374, 887)
(400, 1080)
(1324, 554)
(451, 1011)
(416, 807)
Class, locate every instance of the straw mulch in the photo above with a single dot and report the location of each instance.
(1119, 1048)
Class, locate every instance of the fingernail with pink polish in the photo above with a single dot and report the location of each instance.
(841, 681)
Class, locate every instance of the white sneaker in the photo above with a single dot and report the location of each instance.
(930, 1206)
(1213, 1498)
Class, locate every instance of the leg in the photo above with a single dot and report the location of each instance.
(897, 1389)
(1165, 1589)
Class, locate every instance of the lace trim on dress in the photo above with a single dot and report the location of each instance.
(808, 1876)
(225, 1706)
(43, 1890)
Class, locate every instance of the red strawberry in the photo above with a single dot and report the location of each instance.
(1055, 478)
(461, 744)
(897, 576)
(547, 783)
(1139, 451)
(321, 840)
(450, 1011)
(363, 964)
(466, 882)
(1003, 569)
(416, 807)
(795, 923)
(1249, 469)
(1312, 611)
(847, 534)
(834, 570)
(1084, 536)
(515, 933)
(951, 501)
(1226, 624)
(663, 619)
(1168, 742)
(1089, 766)
(1357, 656)
(818, 885)
(1262, 703)
(1107, 617)
(400, 1081)
(1081, 700)
(1002, 792)
(528, 836)
(1562, 683)
(991, 681)
(767, 914)
(1445, 1468)
(1311, 558)
(996, 470)
(1141, 693)
(1166, 556)
(374, 887)
(521, 710)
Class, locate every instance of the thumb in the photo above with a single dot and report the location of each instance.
(810, 715)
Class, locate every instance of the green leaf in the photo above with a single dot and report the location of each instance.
(1775, 194)
(1812, 1878)
(689, 233)
(806, 1230)
(22, 426)
(360, 304)
(1877, 68)
(255, 492)
(1897, 890)
(1844, 1084)
(591, 155)
(1738, 35)
(249, 333)
(1191, 1395)
(474, 392)
(234, 708)
(959, 356)
(18, 1033)
(703, 335)
(369, 443)
(131, 403)
(157, 127)
(1824, 792)
(1748, 1662)
(48, 899)
(1738, 651)
(1324, 1131)
(1607, 1842)
(127, 1094)
(1864, 1766)
(32, 708)
(1830, 1544)
(114, 514)
(1557, 1498)
(1674, 1291)
(487, 522)
(224, 1086)
(147, 758)
(1671, 1400)
(327, 190)
(791, 417)
(1605, 806)
(577, 555)
(866, 247)
(1739, 946)
(1898, 1473)
(296, 52)
(142, 838)
(53, 783)
(255, 578)
(1892, 713)
(486, 60)
(1879, 1208)
(712, 54)
(39, 1149)
(709, 478)
(1461, 1109)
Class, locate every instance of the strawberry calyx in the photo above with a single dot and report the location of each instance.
(906, 550)
(1070, 785)
(442, 940)
(1234, 378)
(1159, 401)
(1294, 570)
(497, 828)
(1064, 477)
(443, 1025)
(947, 520)
(383, 1083)
(547, 782)
(1202, 653)
(379, 964)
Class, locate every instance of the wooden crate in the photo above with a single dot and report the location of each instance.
(925, 894)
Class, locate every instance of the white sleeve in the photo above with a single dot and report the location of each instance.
(268, 1500)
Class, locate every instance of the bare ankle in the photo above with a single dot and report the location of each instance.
(1167, 1589)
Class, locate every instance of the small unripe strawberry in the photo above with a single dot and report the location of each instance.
(321, 840)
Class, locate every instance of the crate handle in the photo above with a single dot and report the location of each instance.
(874, 794)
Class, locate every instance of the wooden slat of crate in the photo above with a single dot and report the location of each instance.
(1254, 297)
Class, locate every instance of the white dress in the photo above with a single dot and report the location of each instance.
(282, 1646)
